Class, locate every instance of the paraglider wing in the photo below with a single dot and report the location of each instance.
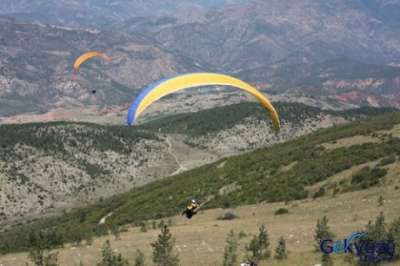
(89, 55)
(168, 86)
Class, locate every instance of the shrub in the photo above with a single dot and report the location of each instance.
(281, 211)
(228, 216)
(242, 235)
(387, 160)
(143, 227)
(366, 177)
(319, 193)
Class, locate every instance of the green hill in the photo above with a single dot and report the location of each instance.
(278, 173)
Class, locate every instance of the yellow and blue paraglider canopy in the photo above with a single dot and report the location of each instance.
(168, 86)
(89, 55)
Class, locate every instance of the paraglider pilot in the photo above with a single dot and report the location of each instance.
(192, 209)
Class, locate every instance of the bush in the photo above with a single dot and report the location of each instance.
(319, 193)
(143, 227)
(242, 235)
(387, 160)
(228, 216)
(360, 175)
(366, 177)
(281, 211)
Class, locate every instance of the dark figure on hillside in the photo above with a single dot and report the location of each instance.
(191, 209)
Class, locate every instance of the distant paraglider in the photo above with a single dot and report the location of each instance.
(89, 55)
(168, 86)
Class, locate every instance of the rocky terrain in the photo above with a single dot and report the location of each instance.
(251, 134)
(53, 165)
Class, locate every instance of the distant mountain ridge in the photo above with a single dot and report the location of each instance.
(335, 51)
(36, 67)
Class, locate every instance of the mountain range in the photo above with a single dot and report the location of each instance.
(338, 52)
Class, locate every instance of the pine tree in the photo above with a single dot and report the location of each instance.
(326, 260)
(280, 251)
(376, 232)
(263, 240)
(350, 258)
(40, 254)
(381, 201)
(161, 224)
(230, 254)
(253, 250)
(139, 259)
(322, 232)
(109, 258)
(163, 254)
(394, 235)
(115, 231)
(259, 246)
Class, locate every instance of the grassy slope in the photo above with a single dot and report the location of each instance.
(257, 175)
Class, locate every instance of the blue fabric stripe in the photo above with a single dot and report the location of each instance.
(135, 104)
